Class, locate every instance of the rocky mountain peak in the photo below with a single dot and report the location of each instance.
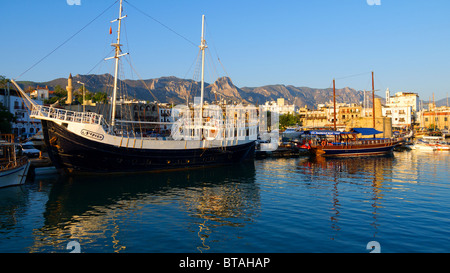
(176, 90)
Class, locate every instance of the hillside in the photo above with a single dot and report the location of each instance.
(175, 90)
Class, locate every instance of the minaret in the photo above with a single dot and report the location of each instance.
(69, 89)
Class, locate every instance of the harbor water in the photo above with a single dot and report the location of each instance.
(275, 205)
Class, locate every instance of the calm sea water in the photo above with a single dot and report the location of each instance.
(272, 205)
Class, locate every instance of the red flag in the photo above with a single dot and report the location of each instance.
(110, 30)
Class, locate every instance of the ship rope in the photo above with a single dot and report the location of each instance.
(66, 41)
(215, 49)
(159, 22)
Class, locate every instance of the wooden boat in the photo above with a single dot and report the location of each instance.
(348, 144)
(13, 168)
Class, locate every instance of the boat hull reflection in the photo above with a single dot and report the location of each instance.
(81, 207)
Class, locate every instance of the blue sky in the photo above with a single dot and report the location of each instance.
(299, 42)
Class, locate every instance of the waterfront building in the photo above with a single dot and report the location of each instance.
(435, 117)
(401, 116)
(349, 112)
(165, 116)
(279, 106)
(402, 108)
(316, 118)
(24, 126)
(402, 99)
(382, 123)
(302, 112)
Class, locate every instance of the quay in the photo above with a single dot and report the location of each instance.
(41, 166)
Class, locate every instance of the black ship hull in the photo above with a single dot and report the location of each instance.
(75, 154)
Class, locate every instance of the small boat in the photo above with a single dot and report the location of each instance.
(13, 168)
(291, 133)
(432, 143)
(422, 146)
(348, 144)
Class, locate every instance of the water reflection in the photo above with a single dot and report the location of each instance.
(368, 173)
(95, 210)
(12, 202)
(274, 205)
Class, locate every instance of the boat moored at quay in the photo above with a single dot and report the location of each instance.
(348, 144)
(201, 135)
(13, 167)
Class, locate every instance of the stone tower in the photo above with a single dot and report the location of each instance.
(69, 89)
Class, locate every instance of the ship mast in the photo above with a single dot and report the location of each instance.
(202, 46)
(334, 105)
(116, 56)
(373, 103)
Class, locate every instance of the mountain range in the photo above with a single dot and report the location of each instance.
(175, 90)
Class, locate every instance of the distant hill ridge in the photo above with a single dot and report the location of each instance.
(175, 90)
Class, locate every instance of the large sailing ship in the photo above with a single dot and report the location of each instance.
(202, 135)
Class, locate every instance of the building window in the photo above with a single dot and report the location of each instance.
(426, 119)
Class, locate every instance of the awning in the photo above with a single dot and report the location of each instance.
(323, 132)
(366, 131)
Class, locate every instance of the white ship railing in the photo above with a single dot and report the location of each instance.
(47, 112)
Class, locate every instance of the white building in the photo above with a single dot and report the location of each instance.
(402, 99)
(279, 106)
(402, 116)
(401, 108)
(40, 93)
(165, 115)
(24, 126)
